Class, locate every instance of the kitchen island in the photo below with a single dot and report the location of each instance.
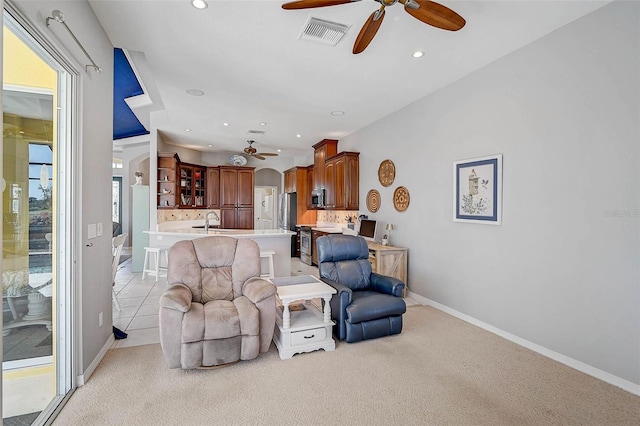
(278, 240)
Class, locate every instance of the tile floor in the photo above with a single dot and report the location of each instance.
(139, 303)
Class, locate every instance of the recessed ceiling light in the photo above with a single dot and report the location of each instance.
(418, 54)
(263, 124)
(210, 146)
(279, 150)
(195, 92)
(187, 130)
(199, 4)
(298, 136)
(225, 124)
(337, 113)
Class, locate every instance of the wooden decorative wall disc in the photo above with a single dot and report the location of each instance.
(401, 198)
(386, 172)
(373, 201)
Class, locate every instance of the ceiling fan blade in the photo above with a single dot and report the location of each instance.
(308, 4)
(368, 31)
(258, 156)
(268, 154)
(436, 15)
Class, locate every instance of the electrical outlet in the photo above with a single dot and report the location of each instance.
(99, 229)
(91, 231)
(100, 319)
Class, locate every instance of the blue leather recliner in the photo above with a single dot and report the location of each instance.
(367, 305)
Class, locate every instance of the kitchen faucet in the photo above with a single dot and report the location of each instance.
(206, 220)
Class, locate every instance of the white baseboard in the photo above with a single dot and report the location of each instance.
(82, 378)
(563, 359)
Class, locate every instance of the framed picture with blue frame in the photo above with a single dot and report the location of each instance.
(477, 190)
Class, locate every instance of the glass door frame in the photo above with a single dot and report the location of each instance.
(65, 248)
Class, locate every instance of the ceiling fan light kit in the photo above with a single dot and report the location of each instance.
(237, 160)
(426, 11)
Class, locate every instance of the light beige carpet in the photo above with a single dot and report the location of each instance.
(439, 371)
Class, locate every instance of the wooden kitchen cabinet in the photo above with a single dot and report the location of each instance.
(342, 181)
(322, 150)
(290, 180)
(310, 183)
(213, 188)
(236, 197)
(236, 218)
(297, 178)
(390, 261)
(167, 184)
(192, 187)
(315, 234)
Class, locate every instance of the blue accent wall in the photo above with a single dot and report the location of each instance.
(125, 85)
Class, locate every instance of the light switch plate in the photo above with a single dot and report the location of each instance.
(91, 230)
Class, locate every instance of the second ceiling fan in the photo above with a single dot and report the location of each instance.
(427, 11)
(250, 151)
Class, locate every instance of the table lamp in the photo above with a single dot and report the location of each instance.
(390, 228)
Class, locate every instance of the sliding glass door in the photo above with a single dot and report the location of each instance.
(36, 225)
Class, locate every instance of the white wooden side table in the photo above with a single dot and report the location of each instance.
(303, 327)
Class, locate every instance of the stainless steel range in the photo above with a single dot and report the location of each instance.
(305, 245)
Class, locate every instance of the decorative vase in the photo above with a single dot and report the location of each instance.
(138, 180)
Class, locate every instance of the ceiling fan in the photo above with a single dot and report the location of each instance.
(427, 11)
(250, 151)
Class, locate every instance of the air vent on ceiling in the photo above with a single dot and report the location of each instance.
(257, 132)
(323, 31)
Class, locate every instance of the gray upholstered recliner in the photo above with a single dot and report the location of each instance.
(367, 305)
(216, 310)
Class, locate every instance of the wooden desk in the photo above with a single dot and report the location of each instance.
(389, 260)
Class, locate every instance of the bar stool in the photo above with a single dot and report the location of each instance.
(268, 254)
(157, 269)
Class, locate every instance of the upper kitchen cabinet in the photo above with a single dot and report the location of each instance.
(180, 185)
(342, 181)
(310, 183)
(296, 180)
(236, 197)
(167, 173)
(290, 180)
(192, 189)
(213, 188)
(324, 149)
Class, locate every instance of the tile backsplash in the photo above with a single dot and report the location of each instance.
(339, 217)
(179, 214)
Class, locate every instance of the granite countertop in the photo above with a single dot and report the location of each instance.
(328, 230)
(323, 227)
(230, 232)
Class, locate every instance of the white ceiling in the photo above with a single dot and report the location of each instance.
(247, 59)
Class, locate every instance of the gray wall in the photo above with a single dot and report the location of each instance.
(95, 139)
(560, 271)
(269, 177)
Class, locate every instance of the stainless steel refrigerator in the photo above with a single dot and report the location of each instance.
(288, 216)
(287, 211)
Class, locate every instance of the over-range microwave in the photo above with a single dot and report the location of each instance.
(317, 198)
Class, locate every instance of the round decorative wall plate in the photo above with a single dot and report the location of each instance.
(386, 172)
(373, 201)
(401, 198)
